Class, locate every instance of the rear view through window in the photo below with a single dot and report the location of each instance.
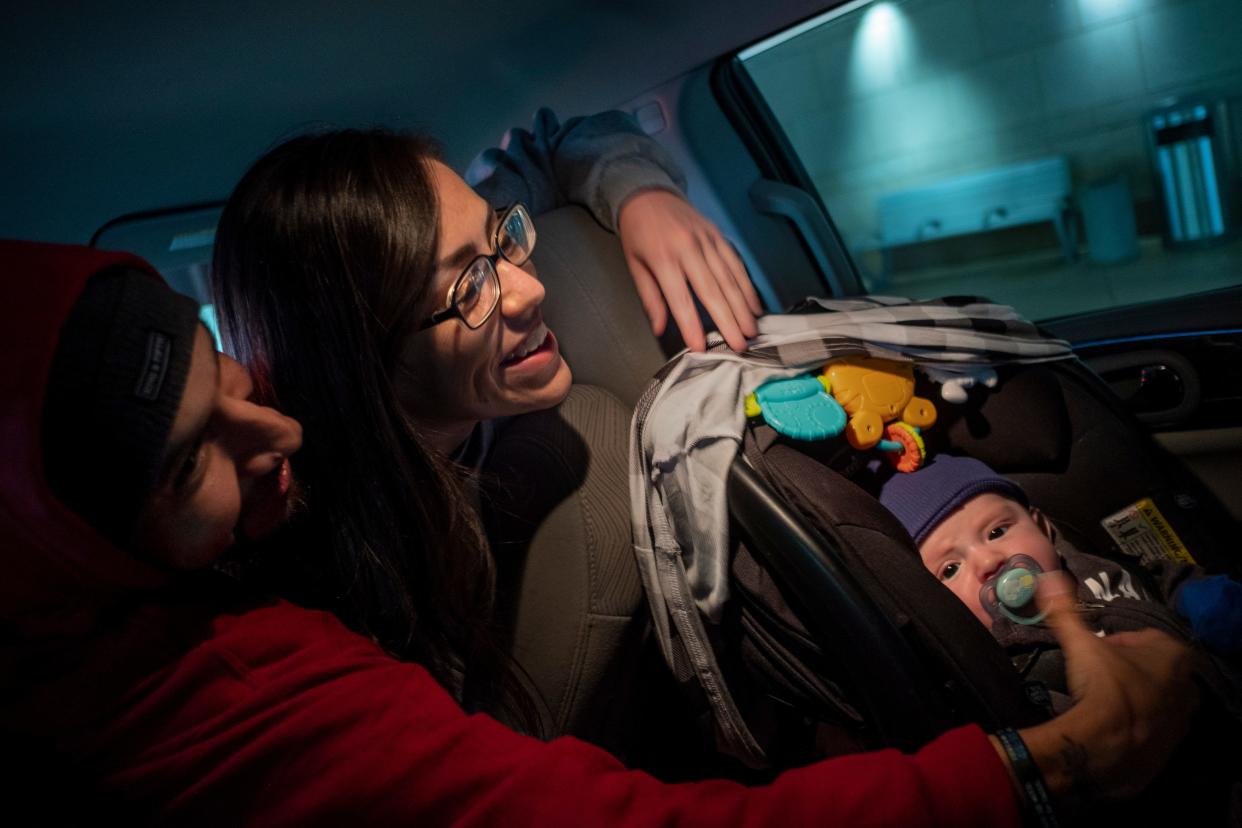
(1061, 156)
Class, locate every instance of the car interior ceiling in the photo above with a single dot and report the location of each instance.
(200, 91)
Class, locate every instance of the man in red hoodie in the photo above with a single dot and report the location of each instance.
(134, 458)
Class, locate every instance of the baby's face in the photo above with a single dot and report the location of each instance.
(970, 545)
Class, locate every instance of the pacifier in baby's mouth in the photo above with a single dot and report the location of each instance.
(1010, 593)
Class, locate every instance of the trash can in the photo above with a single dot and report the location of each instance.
(1191, 162)
(1108, 218)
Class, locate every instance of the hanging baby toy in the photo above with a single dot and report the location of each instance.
(871, 400)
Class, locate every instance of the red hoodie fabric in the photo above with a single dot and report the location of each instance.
(188, 701)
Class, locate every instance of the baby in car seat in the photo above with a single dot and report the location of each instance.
(979, 535)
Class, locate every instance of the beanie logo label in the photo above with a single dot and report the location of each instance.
(151, 380)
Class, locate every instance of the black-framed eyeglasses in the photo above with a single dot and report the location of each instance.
(476, 292)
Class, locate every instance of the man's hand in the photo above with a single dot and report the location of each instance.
(1134, 698)
(672, 249)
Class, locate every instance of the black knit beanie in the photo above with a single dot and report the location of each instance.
(114, 389)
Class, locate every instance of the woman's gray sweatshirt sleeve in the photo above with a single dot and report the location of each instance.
(597, 161)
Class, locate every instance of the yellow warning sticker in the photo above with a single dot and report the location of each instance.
(1140, 530)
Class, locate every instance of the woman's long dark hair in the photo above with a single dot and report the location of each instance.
(323, 253)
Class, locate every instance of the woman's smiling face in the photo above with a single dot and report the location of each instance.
(452, 377)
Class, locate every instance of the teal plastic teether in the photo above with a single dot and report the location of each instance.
(799, 407)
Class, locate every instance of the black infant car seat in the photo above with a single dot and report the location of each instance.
(810, 684)
(1052, 428)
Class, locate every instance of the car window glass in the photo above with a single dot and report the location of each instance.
(177, 243)
(1057, 155)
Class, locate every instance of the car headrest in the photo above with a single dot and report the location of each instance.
(592, 306)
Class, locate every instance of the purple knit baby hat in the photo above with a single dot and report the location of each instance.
(922, 499)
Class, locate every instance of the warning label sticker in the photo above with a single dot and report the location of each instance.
(1140, 530)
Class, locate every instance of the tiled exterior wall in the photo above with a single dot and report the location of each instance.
(944, 87)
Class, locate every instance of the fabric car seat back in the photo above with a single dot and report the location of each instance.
(592, 306)
(555, 496)
(553, 500)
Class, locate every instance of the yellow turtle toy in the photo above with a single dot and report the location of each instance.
(874, 392)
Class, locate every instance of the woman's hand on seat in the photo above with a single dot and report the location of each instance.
(1134, 697)
(671, 249)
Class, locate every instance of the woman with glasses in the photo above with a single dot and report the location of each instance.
(395, 312)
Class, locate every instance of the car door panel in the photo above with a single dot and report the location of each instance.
(1177, 365)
